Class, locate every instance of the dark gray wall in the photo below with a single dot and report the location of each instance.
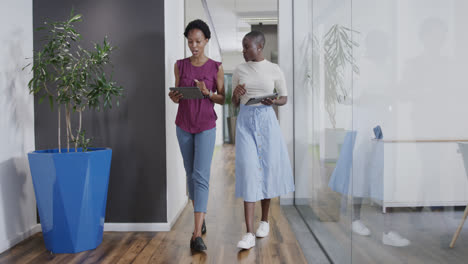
(135, 130)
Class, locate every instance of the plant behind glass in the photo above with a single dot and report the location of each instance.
(338, 49)
(232, 109)
(71, 76)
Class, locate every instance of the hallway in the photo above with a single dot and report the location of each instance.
(225, 227)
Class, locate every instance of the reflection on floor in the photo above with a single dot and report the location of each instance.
(311, 249)
(430, 231)
(328, 215)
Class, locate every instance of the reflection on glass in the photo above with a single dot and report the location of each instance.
(396, 195)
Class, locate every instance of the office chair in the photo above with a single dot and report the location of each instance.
(463, 147)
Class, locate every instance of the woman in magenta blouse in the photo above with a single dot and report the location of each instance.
(196, 120)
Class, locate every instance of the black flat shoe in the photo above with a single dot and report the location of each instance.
(203, 228)
(197, 244)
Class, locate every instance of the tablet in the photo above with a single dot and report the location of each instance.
(188, 92)
(258, 99)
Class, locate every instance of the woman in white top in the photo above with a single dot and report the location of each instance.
(263, 169)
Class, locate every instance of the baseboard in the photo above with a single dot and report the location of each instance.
(303, 201)
(9, 243)
(286, 201)
(144, 227)
(137, 227)
(181, 209)
(119, 227)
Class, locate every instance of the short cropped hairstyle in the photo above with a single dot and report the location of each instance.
(198, 24)
(256, 36)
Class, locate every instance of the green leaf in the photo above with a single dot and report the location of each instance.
(51, 101)
(75, 18)
(26, 66)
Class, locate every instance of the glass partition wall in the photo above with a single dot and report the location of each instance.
(380, 136)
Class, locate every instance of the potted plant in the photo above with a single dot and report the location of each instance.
(233, 111)
(70, 184)
(338, 55)
(338, 48)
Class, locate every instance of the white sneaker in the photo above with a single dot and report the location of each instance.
(359, 228)
(248, 241)
(394, 239)
(263, 229)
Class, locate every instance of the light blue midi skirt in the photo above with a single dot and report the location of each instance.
(263, 169)
(360, 168)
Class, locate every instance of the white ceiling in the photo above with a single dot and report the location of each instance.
(232, 19)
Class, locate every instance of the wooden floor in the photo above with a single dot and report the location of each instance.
(224, 222)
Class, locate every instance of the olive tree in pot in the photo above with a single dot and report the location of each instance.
(70, 184)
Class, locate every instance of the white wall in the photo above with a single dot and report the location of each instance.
(17, 202)
(304, 162)
(285, 61)
(174, 41)
(231, 60)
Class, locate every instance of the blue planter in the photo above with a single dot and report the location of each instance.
(71, 195)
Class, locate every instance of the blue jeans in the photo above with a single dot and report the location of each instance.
(197, 152)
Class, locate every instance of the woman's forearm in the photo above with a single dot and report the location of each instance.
(235, 100)
(217, 98)
(281, 101)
